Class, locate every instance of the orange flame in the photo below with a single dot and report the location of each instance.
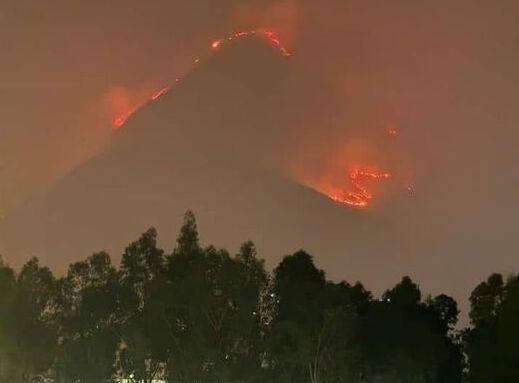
(270, 36)
(160, 93)
(360, 196)
(119, 121)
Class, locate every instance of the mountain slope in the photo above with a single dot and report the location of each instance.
(205, 145)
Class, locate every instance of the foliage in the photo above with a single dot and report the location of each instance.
(87, 307)
(204, 315)
(491, 344)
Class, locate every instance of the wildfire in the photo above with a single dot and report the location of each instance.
(160, 93)
(360, 195)
(121, 120)
(268, 35)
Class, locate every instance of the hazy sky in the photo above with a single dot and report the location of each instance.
(64, 62)
(443, 73)
(61, 62)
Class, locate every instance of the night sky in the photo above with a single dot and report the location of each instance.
(441, 75)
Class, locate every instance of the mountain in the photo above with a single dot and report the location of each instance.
(205, 145)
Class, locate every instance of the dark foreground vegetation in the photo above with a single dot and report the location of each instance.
(203, 315)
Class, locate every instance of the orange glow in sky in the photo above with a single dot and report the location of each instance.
(119, 121)
(268, 35)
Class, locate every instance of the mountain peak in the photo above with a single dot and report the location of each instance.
(232, 101)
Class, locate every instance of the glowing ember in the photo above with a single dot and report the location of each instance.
(360, 196)
(121, 120)
(118, 122)
(160, 93)
(274, 39)
(268, 35)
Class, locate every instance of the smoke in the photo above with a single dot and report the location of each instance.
(443, 76)
(120, 102)
(280, 16)
(359, 71)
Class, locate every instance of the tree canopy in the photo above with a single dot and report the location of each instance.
(200, 314)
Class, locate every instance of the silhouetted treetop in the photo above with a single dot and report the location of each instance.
(187, 240)
(202, 314)
(404, 294)
(485, 299)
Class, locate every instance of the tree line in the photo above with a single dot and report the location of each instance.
(204, 315)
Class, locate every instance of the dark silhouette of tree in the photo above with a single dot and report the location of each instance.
(8, 355)
(203, 315)
(187, 240)
(405, 295)
(36, 335)
(491, 344)
(243, 284)
(446, 311)
(486, 299)
(314, 335)
(299, 330)
(142, 316)
(508, 332)
(212, 310)
(407, 340)
(87, 307)
(347, 307)
(188, 290)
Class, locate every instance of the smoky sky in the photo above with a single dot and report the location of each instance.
(444, 74)
(63, 63)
